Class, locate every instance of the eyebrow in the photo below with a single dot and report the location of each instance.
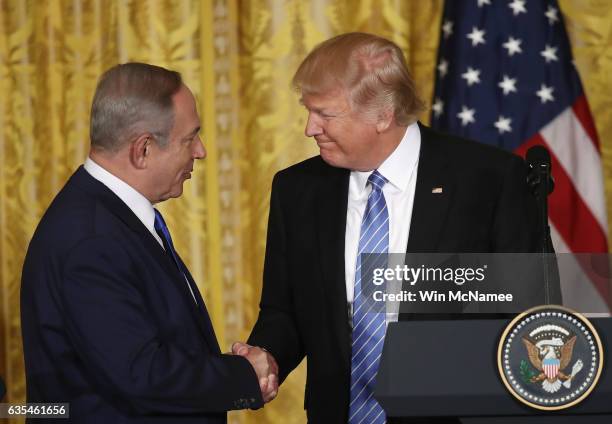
(313, 109)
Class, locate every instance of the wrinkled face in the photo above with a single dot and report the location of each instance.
(346, 138)
(171, 165)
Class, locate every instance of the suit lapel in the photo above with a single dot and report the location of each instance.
(125, 214)
(432, 197)
(332, 198)
(201, 312)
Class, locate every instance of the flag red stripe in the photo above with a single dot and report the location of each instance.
(571, 216)
(568, 211)
(583, 113)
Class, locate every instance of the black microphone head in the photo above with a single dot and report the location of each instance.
(539, 176)
(538, 155)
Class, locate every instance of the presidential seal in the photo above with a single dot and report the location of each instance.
(550, 358)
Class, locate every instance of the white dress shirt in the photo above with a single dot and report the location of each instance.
(400, 169)
(140, 205)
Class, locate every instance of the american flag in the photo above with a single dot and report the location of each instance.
(505, 76)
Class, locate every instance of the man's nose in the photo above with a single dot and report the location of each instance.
(313, 126)
(199, 151)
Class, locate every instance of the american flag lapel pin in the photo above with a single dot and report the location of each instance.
(436, 190)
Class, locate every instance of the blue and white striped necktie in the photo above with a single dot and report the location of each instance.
(369, 326)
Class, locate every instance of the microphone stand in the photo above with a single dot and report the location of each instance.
(542, 185)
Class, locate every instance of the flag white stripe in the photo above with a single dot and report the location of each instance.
(578, 292)
(580, 159)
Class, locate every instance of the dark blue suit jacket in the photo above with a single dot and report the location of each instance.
(109, 324)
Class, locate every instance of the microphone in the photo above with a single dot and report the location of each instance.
(542, 184)
(539, 176)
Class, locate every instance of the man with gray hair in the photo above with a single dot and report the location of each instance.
(383, 183)
(112, 321)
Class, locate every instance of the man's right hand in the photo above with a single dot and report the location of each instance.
(265, 367)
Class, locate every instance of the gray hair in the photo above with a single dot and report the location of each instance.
(131, 99)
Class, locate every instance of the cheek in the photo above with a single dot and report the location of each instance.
(180, 162)
(355, 140)
(342, 135)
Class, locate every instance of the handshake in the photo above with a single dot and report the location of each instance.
(265, 367)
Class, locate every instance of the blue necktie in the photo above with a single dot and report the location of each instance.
(162, 230)
(369, 326)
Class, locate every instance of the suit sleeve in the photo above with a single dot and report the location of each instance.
(119, 346)
(276, 329)
(516, 229)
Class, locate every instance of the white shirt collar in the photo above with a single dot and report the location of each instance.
(403, 158)
(140, 205)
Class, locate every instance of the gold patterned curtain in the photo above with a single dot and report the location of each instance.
(238, 57)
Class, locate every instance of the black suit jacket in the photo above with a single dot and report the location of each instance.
(109, 324)
(485, 207)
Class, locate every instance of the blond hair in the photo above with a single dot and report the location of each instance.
(371, 69)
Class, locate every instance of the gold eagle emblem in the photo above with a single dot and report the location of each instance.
(551, 357)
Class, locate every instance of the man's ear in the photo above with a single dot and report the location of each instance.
(140, 150)
(385, 118)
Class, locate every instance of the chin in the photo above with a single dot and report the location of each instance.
(329, 159)
(177, 193)
(172, 194)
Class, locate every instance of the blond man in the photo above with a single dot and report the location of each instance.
(436, 193)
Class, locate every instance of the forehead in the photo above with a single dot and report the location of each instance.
(185, 109)
(184, 100)
(186, 118)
